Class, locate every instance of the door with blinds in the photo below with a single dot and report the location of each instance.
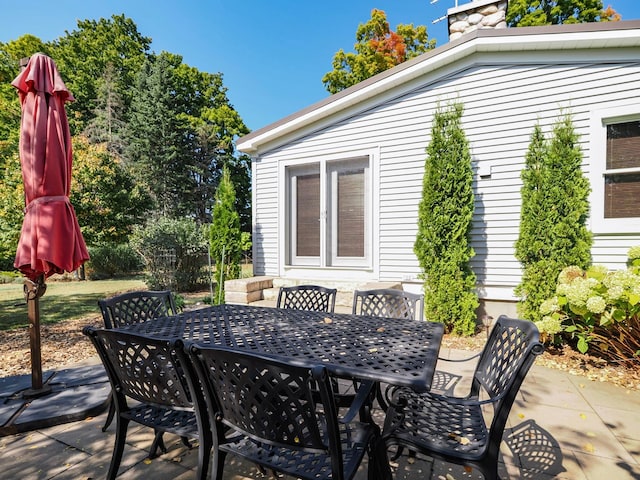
(328, 213)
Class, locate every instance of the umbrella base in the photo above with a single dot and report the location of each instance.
(36, 392)
(74, 394)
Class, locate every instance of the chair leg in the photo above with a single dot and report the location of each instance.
(204, 456)
(118, 448)
(110, 414)
(379, 462)
(158, 442)
(186, 442)
(218, 464)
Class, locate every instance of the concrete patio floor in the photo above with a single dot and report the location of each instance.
(561, 427)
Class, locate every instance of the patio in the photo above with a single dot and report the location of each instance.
(562, 426)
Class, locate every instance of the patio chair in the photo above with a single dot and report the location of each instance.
(467, 430)
(388, 302)
(265, 411)
(307, 297)
(134, 307)
(149, 388)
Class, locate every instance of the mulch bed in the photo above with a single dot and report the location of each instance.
(63, 344)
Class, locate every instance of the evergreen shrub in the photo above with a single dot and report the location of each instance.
(553, 220)
(444, 226)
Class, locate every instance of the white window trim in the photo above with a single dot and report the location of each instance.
(370, 245)
(598, 150)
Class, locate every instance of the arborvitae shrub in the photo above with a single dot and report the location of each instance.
(444, 226)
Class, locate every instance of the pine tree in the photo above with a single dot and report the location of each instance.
(444, 226)
(555, 207)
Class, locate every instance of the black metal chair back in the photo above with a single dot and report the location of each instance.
(136, 307)
(388, 302)
(130, 308)
(265, 410)
(307, 297)
(149, 372)
(455, 429)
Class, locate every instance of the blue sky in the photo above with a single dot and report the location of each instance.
(272, 53)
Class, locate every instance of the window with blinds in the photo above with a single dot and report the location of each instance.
(622, 174)
(329, 211)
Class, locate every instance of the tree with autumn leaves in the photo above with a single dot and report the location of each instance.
(377, 48)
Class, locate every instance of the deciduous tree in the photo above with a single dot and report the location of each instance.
(377, 49)
(107, 200)
(526, 13)
(84, 55)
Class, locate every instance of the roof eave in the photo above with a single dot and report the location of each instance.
(548, 38)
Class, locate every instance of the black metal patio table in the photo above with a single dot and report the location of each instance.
(395, 351)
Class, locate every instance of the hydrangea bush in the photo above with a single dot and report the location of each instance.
(597, 308)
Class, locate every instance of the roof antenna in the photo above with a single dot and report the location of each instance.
(444, 17)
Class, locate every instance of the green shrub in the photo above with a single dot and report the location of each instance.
(444, 226)
(10, 276)
(553, 220)
(174, 253)
(597, 309)
(225, 240)
(109, 260)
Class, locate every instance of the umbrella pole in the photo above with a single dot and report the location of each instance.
(32, 292)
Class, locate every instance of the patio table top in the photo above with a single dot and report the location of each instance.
(396, 351)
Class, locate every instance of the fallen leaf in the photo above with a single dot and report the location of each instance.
(373, 350)
(459, 439)
(147, 461)
(327, 320)
(583, 416)
(589, 448)
(591, 434)
(468, 469)
(521, 415)
(380, 330)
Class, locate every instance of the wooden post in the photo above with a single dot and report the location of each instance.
(32, 292)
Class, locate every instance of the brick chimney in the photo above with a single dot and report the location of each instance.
(476, 14)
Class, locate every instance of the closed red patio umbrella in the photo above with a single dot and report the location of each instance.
(50, 241)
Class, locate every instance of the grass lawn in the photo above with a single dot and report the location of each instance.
(63, 300)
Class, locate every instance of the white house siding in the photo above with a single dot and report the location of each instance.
(502, 103)
(265, 218)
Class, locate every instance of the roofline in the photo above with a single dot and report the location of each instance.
(550, 37)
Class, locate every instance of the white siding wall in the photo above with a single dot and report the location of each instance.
(502, 104)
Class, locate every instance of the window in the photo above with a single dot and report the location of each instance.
(328, 213)
(615, 170)
(622, 174)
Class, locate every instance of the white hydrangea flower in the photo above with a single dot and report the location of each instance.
(549, 325)
(616, 292)
(568, 274)
(634, 252)
(578, 292)
(549, 306)
(596, 304)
